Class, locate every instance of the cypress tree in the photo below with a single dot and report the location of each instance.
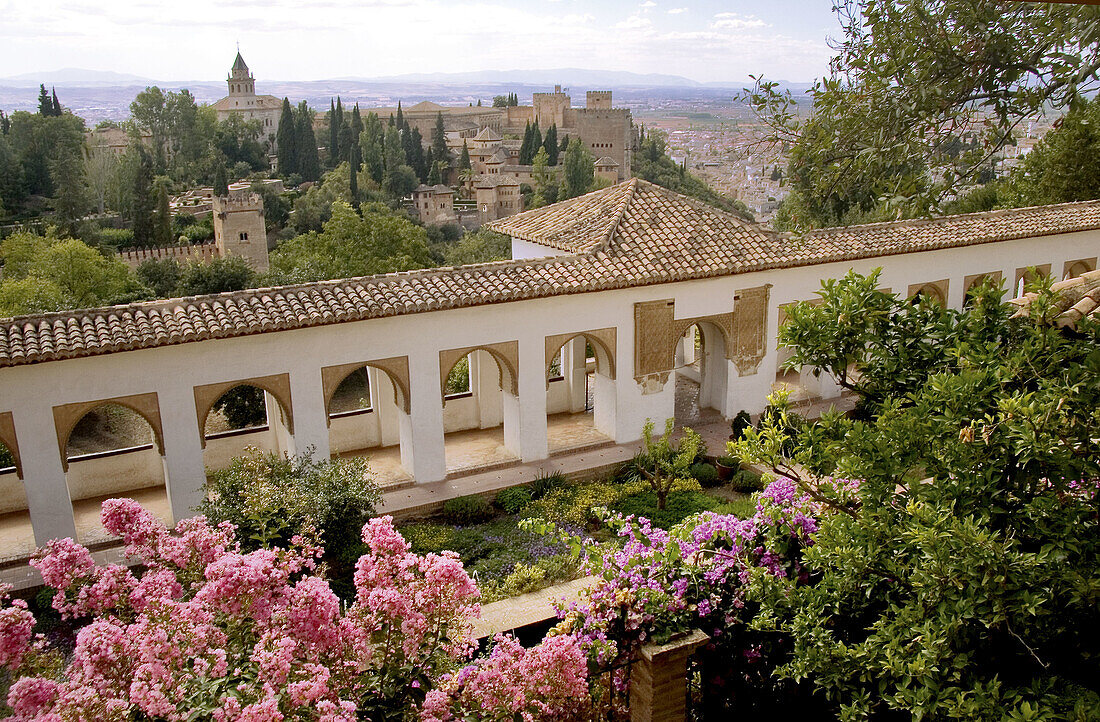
(338, 150)
(353, 184)
(400, 119)
(356, 124)
(434, 177)
(464, 159)
(286, 142)
(439, 141)
(309, 164)
(45, 105)
(221, 181)
(479, 102)
(143, 205)
(333, 131)
(536, 142)
(525, 147)
(56, 105)
(417, 159)
(392, 123)
(550, 143)
(162, 230)
(563, 145)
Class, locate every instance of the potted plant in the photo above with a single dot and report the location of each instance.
(726, 466)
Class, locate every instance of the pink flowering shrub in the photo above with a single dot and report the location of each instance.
(209, 632)
(546, 682)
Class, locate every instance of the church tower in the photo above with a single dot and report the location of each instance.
(241, 82)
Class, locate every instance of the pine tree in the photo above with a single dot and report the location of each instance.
(143, 203)
(464, 159)
(221, 180)
(162, 228)
(56, 105)
(333, 134)
(286, 142)
(309, 164)
(525, 147)
(440, 153)
(45, 105)
(550, 143)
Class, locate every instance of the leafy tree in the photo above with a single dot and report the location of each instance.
(578, 170)
(912, 79)
(546, 188)
(70, 201)
(959, 578)
(238, 140)
(162, 225)
(149, 112)
(309, 164)
(143, 208)
(12, 190)
(663, 462)
(243, 406)
(400, 179)
(480, 246)
(499, 101)
(100, 165)
(377, 241)
(286, 141)
(162, 276)
(25, 296)
(371, 141)
(218, 275)
(221, 181)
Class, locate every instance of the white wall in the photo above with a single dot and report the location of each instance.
(12, 495)
(525, 249)
(103, 474)
(31, 391)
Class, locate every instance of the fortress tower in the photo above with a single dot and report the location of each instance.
(239, 228)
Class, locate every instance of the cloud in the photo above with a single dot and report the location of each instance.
(647, 5)
(677, 11)
(634, 22)
(734, 21)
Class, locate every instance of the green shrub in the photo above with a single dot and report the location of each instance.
(117, 237)
(513, 499)
(705, 474)
(746, 481)
(576, 504)
(741, 508)
(467, 510)
(526, 578)
(680, 505)
(198, 232)
(545, 483)
(426, 537)
(270, 498)
(740, 422)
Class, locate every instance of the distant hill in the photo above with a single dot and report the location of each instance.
(558, 76)
(74, 77)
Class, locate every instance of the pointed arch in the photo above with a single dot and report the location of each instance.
(602, 340)
(935, 290)
(396, 369)
(506, 355)
(66, 417)
(278, 385)
(7, 438)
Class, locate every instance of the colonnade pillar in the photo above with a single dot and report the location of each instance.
(184, 471)
(525, 415)
(48, 501)
(422, 450)
(307, 395)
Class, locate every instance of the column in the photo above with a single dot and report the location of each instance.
(310, 421)
(184, 471)
(575, 369)
(658, 680)
(48, 501)
(422, 449)
(531, 403)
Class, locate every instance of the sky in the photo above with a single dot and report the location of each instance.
(705, 40)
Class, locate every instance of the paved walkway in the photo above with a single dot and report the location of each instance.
(515, 612)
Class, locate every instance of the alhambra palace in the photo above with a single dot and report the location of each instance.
(626, 304)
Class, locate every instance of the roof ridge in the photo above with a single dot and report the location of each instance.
(928, 220)
(701, 204)
(624, 204)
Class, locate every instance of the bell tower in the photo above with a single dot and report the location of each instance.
(241, 82)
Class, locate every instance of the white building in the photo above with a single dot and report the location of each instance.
(626, 271)
(242, 100)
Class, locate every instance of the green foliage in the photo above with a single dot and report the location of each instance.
(960, 579)
(305, 142)
(271, 498)
(578, 173)
(579, 504)
(163, 276)
(116, 237)
(481, 246)
(286, 141)
(679, 506)
(218, 275)
(458, 378)
(513, 499)
(653, 164)
(740, 422)
(746, 481)
(705, 474)
(467, 510)
(545, 483)
(662, 462)
(376, 240)
(7, 461)
(742, 508)
(243, 407)
(920, 96)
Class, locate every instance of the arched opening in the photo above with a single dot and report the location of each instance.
(480, 413)
(928, 292)
(364, 415)
(244, 416)
(701, 368)
(1078, 268)
(112, 451)
(580, 395)
(16, 532)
